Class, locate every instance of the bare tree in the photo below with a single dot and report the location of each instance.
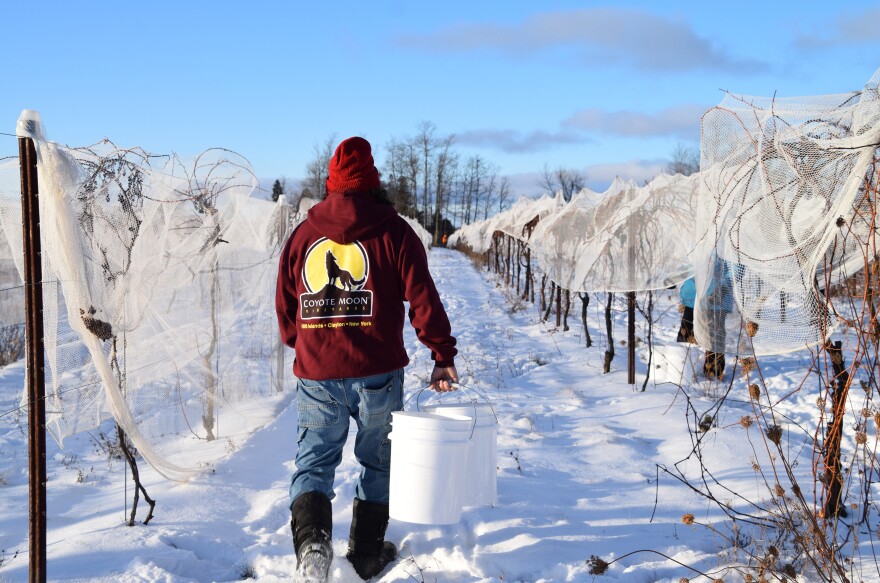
(503, 193)
(445, 166)
(684, 161)
(492, 177)
(412, 172)
(401, 174)
(477, 175)
(426, 178)
(316, 168)
(426, 142)
(548, 180)
(567, 180)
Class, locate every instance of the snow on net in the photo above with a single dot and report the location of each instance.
(159, 303)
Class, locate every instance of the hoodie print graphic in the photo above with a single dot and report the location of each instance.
(335, 275)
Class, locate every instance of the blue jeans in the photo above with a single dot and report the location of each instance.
(324, 408)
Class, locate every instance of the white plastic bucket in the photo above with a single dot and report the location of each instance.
(670, 364)
(480, 482)
(427, 469)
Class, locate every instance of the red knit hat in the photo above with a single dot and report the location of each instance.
(351, 167)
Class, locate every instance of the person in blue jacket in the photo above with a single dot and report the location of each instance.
(716, 303)
(687, 292)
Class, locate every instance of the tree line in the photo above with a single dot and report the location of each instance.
(427, 179)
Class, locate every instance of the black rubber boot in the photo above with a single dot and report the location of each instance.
(368, 551)
(686, 330)
(714, 365)
(312, 526)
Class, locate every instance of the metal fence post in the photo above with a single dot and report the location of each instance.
(36, 380)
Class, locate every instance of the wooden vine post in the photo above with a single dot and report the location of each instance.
(631, 337)
(529, 291)
(631, 304)
(833, 474)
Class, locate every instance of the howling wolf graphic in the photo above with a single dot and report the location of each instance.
(334, 272)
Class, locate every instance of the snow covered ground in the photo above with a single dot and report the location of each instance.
(577, 468)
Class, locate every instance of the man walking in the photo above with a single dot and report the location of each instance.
(343, 278)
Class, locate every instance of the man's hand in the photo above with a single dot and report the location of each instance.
(442, 379)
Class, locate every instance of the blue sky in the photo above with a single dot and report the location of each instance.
(605, 88)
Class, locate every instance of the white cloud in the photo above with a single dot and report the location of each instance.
(682, 121)
(860, 27)
(524, 184)
(603, 36)
(598, 176)
(517, 142)
(848, 28)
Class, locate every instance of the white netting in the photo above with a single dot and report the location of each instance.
(471, 236)
(424, 236)
(619, 185)
(11, 288)
(778, 174)
(305, 203)
(512, 222)
(777, 215)
(620, 241)
(525, 211)
(159, 301)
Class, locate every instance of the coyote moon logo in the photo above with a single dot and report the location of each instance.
(335, 275)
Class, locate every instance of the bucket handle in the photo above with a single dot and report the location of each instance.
(466, 389)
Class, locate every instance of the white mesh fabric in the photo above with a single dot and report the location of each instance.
(163, 311)
(619, 185)
(777, 175)
(629, 240)
(512, 222)
(11, 288)
(779, 212)
(474, 236)
(424, 236)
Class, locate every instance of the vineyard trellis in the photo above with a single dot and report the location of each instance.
(161, 313)
(778, 231)
(157, 313)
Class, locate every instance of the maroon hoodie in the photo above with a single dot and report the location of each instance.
(342, 280)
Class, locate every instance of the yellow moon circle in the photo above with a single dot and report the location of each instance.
(349, 257)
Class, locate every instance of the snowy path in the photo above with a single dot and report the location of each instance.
(576, 477)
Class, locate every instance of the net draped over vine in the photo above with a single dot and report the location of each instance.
(159, 278)
(512, 222)
(617, 240)
(785, 183)
(778, 214)
(424, 236)
(620, 241)
(159, 296)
